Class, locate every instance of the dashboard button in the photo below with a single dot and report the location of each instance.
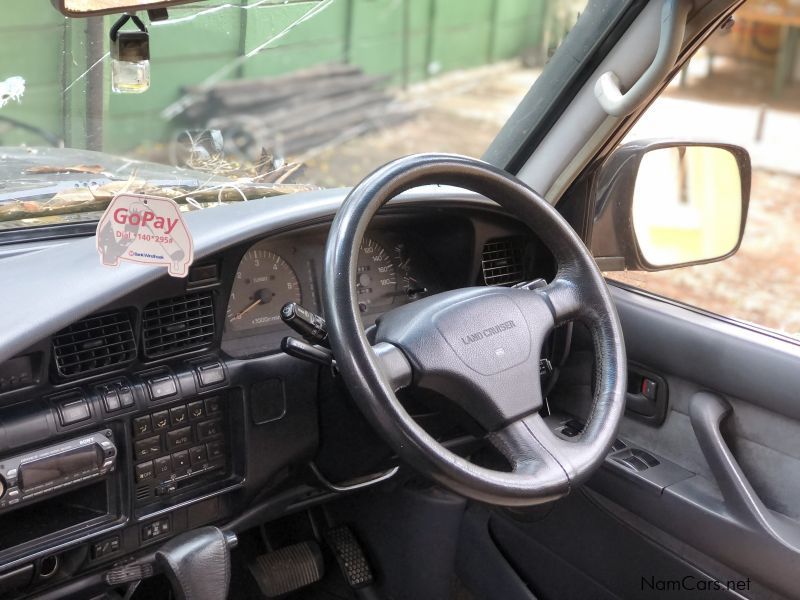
(163, 467)
(162, 386)
(215, 450)
(160, 420)
(198, 455)
(212, 406)
(178, 416)
(211, 374)
(179, 438)
(156, 529)
(73, 411)
(125, 395)
(144, 471)
(105, 547)
(147, 447)
(209, 429)
(110, 398)
(196, 410)
(180, 461)
(142, 426)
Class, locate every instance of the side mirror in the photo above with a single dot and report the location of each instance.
(666, 204)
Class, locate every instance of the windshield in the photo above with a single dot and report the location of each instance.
(253, 98)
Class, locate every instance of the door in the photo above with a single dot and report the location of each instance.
(700, 496)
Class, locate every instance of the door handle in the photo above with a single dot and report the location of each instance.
(640, 404)
(647, 395)
(707, 411)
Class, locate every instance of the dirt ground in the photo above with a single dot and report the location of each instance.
(458, 112)
(461, 112)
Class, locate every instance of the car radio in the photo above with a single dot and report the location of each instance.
(52, 469)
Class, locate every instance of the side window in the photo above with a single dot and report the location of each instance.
(742, 87)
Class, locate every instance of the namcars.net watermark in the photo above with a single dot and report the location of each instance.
(690, 583)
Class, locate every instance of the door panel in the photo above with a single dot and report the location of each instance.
(732, 422)
(730, 444)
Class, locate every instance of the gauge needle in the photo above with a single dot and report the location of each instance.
(248, 309)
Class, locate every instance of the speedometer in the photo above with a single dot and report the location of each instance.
(376, 280)
(264, 283)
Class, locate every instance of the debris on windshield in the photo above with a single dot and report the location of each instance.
(294, 113)
(11, 89)
(47, 170)
(65, 185)
(209, 151)
(83, 200)
(221, 166)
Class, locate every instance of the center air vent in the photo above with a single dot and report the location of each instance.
(502, 261)
(178, 324)
(94, 344)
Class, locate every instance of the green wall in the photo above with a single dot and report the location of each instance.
(408, 40)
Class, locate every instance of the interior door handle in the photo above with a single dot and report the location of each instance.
(707, 411)
(607, 89)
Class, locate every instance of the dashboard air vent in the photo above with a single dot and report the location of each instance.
(178, 324)
(502, 261)
(94, 344)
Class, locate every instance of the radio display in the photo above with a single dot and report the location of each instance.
(59, 466)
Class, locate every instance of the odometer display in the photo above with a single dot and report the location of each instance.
(264, 283)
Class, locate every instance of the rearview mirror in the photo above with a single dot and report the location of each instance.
(90, 8)
(662, 205)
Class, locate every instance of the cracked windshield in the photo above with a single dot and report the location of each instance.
(250, 98)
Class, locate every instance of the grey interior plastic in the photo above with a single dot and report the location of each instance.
(585, 128)
(729, 507)
(607, 89)
(584, 117)
(707, 412)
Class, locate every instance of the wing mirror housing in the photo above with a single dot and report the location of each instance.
(666, 204)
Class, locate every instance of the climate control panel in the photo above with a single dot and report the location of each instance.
(178, 446)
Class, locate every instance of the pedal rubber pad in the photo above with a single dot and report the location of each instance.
(350, 556)
(288, 569)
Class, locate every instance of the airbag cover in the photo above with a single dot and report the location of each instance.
(489, 337)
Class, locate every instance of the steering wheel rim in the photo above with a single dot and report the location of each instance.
(428, 343)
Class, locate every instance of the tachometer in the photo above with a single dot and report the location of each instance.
(264, 283)
(376, 281)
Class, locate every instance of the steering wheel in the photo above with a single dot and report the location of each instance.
(478, 346)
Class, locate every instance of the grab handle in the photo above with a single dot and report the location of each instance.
(707, 411)
(608, 91)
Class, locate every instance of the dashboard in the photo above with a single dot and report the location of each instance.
(143, 405)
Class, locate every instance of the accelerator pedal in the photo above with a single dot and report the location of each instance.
(350, 556)
(288, 569)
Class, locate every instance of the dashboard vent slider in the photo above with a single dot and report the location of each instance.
(94, 344)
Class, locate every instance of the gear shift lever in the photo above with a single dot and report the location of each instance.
(198, 563)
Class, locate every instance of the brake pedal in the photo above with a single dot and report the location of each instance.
(350, 556)
(288, 569)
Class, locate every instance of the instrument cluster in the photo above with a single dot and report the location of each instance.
(392, 270)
